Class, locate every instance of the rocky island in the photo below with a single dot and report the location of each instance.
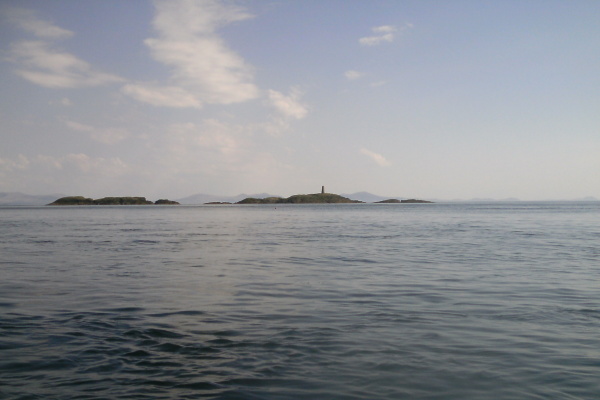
(315, 198)
(108, 201)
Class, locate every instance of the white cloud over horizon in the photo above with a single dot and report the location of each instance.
(203, 68)
(384, 33)
(353, 75)
(289, 106)
(214, 149)
(28, 21)
(52, 174)
(162, 96)
(108, 136)
(376, 157)
(81, 161)
(41, 63)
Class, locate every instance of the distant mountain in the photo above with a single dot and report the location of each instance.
(369, 197)
(201, 198)
(22, 199)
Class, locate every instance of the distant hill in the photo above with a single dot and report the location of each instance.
(201, 198)
(22, 199)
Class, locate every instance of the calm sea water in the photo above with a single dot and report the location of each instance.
(423, 301)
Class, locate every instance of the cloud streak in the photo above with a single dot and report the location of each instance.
(215, 149)
(29, 22)
(203, 68)
(51, 170)
(352, 75)
(108, 136)
(377, 158)
(289, 106)
(40, 62)
(383, 34)
(162, 96)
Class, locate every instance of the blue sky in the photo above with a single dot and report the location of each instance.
(430, 99)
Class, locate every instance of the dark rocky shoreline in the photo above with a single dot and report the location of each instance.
(109, 201)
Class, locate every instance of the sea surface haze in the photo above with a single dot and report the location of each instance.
(366, 301)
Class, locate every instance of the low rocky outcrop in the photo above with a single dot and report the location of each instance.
(415, 201)
(107, 201)
(315, 198)
(166, 202)
(396, 201)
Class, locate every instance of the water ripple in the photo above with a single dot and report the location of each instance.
(445, 302)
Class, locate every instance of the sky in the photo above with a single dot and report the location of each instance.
(426, 99)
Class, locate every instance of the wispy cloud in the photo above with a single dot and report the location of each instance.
(76, 126)
(378, 83)
(167, 96)
(7, 165)
(204, 69)
(212, 135)
(382, 34)
(28, 21)
(108, 136)
(378, 158)
(353, 75)
(289, 106)
(41, 62)
(43, 167)
(214, 149)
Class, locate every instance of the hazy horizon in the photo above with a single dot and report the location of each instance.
(18, 198)
(167, 99)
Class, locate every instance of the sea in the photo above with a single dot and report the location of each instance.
(333, 301)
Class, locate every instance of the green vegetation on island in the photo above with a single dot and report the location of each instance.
(73, 201)
(328, 198)
(108, 201)
(166, 202)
